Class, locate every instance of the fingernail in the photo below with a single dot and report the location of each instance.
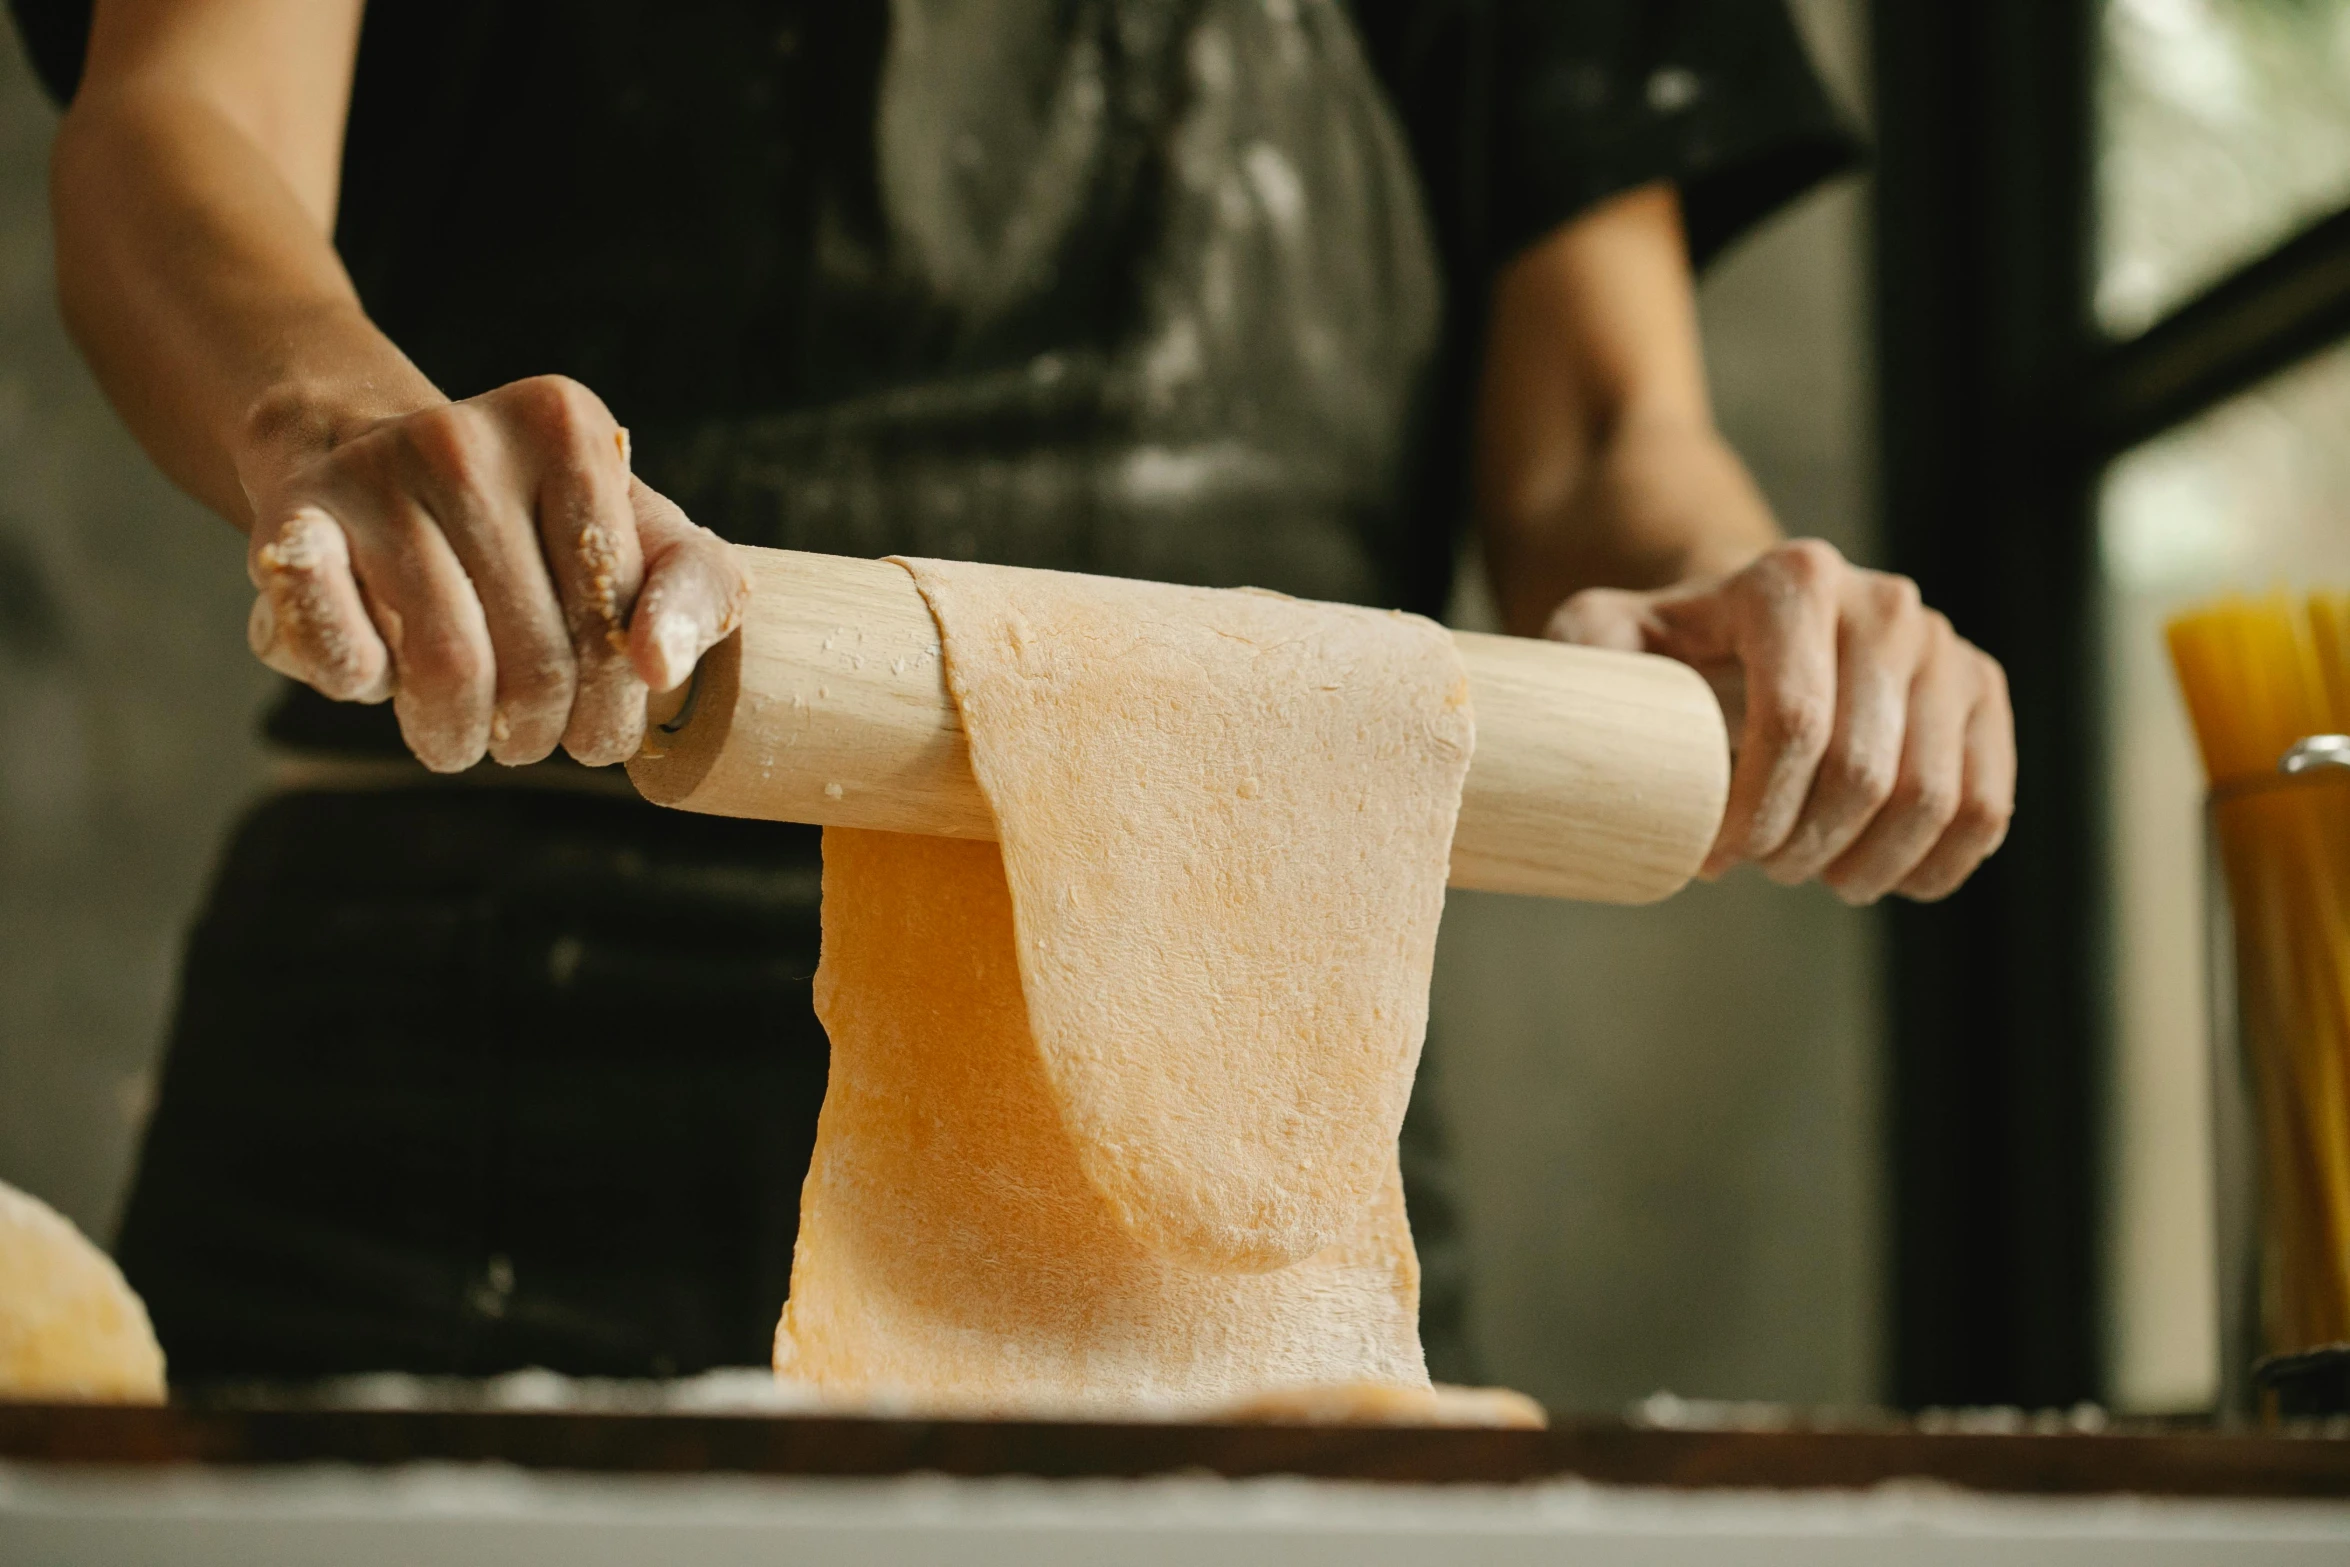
(673, 636)
(261, 627)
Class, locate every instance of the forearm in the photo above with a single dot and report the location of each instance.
(1647, 506)
(207, 296)
(1597, 463)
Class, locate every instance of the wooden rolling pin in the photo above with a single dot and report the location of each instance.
(1597, 775)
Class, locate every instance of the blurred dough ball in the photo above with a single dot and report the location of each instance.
(1376, 1404)
(70, 1328)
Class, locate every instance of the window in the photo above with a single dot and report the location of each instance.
(2223, 126)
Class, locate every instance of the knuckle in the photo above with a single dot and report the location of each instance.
(1808, 563)
(1795, 578)
(450, 447)
(1931, 800)
(1896, 598)
(1984, 818)
(561, 409)
(1796, 722)
(1862, 775)
(1941, 638)
(1994, 676)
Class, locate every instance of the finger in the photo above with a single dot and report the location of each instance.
(1779, 618)
(1986, 799)
(695, 590)
(308, 619)
(1628, 622)
(424, 607)
(1602, 617)
(1933, 771)
(482, 501)
(1880, 638)
(587, 529)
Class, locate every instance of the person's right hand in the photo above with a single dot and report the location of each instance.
(492, 567)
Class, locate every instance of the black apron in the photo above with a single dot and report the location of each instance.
(465, 1080)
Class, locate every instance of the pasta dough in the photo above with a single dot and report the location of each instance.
(1113, 1108)
(1375, 1404)
(70, 1328)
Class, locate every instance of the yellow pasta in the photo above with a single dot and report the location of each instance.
(2259, 674)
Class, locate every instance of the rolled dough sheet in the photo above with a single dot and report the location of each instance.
(70, 1328)
(1227, 820)
(1113, 1108)
(953, 1254)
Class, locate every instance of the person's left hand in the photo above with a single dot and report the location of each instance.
(1876, 750)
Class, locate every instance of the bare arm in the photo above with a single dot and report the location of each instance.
(195, 180)
(1597, 460)
(488, 564)
(1876, 750)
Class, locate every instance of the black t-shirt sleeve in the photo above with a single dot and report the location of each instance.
(56, 36)
(1524, 113)
(1595, 99)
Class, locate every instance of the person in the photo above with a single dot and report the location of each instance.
(489, 323)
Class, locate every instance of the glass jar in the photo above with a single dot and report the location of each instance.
(2279, 899)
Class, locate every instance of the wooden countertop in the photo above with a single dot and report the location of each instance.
(2143, 1460)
